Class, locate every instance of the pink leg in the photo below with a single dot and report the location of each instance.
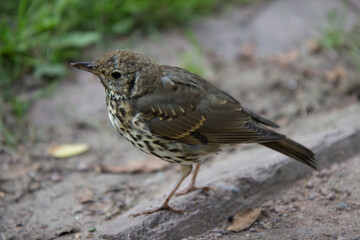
(185, 171)
(192, 186)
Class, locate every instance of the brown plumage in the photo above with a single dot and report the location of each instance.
(178, 116)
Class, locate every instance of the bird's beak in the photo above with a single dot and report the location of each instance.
(86, 66)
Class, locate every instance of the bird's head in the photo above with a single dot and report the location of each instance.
(123, 71)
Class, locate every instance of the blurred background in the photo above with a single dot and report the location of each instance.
(287, 60)
(40, 38)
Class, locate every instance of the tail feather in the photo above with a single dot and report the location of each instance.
(294, 150)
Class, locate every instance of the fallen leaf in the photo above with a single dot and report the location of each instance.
(85, 195)
(247, 52)
(148, 166)
(314, 46)
(336, 75)
(244, 219)
(288, 58)
(68, 150)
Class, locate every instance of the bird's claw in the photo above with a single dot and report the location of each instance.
(192, 189)
(157, 209)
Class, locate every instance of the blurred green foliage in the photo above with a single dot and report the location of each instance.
(336, 36)
(38, 36)
(355, 45)
(193, 59)
(333, 34)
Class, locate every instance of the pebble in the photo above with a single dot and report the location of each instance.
(82, 166)
(292, 84)
(229, 187)
(342, 205)
(252, 230)
(221, 232)
(311, 197)
(324, 191)
(265, 225)
(293, 210)
(56, 177)
(19, 224)
(310, 184)
(324, 173)
(331, 196)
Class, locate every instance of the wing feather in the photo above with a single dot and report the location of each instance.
(201, 114)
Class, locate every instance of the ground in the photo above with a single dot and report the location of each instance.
(283, 75)
(323, 206)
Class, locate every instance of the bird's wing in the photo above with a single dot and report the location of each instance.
(171, 110)
(195, 112)
(227, 123)
(261, 119)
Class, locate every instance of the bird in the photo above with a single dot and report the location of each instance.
(179, 117)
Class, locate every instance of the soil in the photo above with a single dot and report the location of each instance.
(323, 206)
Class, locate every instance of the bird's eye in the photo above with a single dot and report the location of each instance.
(116, 74)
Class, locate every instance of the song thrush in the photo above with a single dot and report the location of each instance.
(178, 116)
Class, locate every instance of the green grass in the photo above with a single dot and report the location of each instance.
(334, 32)
(354, 44)
(193, 59)
(335, 36)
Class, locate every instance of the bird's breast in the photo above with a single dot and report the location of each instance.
(131, 125)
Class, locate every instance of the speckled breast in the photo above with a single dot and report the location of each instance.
(131, 125)
(123, 119)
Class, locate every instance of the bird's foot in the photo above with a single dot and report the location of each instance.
(192, 188)
(157, 209)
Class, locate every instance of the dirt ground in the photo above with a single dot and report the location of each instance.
(323, 206)
(42, 197)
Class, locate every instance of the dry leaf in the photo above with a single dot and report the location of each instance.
(314, 46)
(336, 75)
(68, 150)
(85, 195)
(244, 219)
(287, 58)
(247, 52)
(147, 166)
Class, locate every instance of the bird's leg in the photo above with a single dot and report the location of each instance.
(192, 186)
(185, 171)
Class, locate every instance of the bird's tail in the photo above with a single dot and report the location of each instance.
(294, 150)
